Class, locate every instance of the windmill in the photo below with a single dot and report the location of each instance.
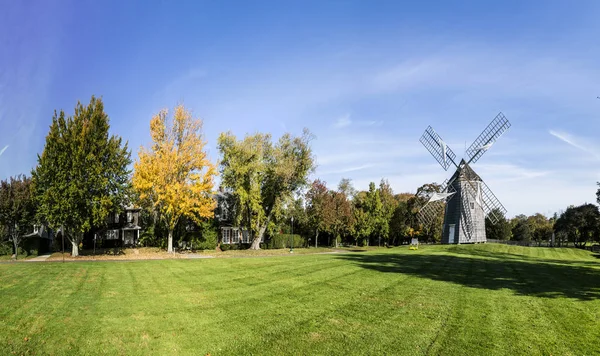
(465, 196)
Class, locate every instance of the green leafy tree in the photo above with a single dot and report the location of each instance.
(541, 226)
(388, 205)
(580, 224)
(294, 209)
(375, 212)
(82, 174)
(501, 230)
(317, 199)
(400, 221)
(363, 223)
(17, 210)
(521, 229)
(598, 193)
(263, 176)
(345, 187)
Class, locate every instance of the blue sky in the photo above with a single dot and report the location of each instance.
(365, 77)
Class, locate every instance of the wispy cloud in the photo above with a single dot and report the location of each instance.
(343, 121)
(2, 150)
(576, 142)
(507, 172)
(348, 169)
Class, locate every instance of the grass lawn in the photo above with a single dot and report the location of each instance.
(449, 300)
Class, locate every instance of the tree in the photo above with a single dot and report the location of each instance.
(501, 230)
(174, 176)
(339, 216)
(295, 209)
(521, 229)
(264, 175)
(541, 227)
(389, 204)
(363, 223)
(345, 187)
(317, 199)
(598, 193)
(374, 210)
(82, 173)
(579, 224)
(16, 208)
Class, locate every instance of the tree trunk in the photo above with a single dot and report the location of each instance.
(74, 248)
(316, 238)
(16, 248)
(256, 241)
(170, 242)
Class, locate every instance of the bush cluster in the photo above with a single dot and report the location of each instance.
(285, 240)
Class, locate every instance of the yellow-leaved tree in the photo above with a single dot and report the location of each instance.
(174, 175)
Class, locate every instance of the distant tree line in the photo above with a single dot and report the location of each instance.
(83, 176)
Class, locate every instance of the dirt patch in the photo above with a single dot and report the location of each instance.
(120, 254)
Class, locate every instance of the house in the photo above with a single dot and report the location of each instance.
(225, 213)
(40, 239)
(123, 229)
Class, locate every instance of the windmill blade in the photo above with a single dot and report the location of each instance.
(467, 218)
(491, 204)
(438, 148)
(483, 196)
(435, 204)
(429, 212)
(487, 138)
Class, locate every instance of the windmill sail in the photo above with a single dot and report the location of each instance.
(487, 138)
(483, 196)
(438, 148)
(491, 204)
(467, 218)
(435, 204)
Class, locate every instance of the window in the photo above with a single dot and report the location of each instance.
(36, 228)
(472, 205)
(112, 234)
(235, 236)
(226, 236)
(129, 216)
(245, 237)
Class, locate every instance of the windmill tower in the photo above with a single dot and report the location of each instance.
(466, 198)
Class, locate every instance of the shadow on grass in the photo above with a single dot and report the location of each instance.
(524, 277)
(515, 256)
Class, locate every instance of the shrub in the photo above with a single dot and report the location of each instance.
(202, 240)
(6, 248)
(284, 240)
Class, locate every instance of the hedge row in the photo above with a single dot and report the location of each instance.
(285, 241)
